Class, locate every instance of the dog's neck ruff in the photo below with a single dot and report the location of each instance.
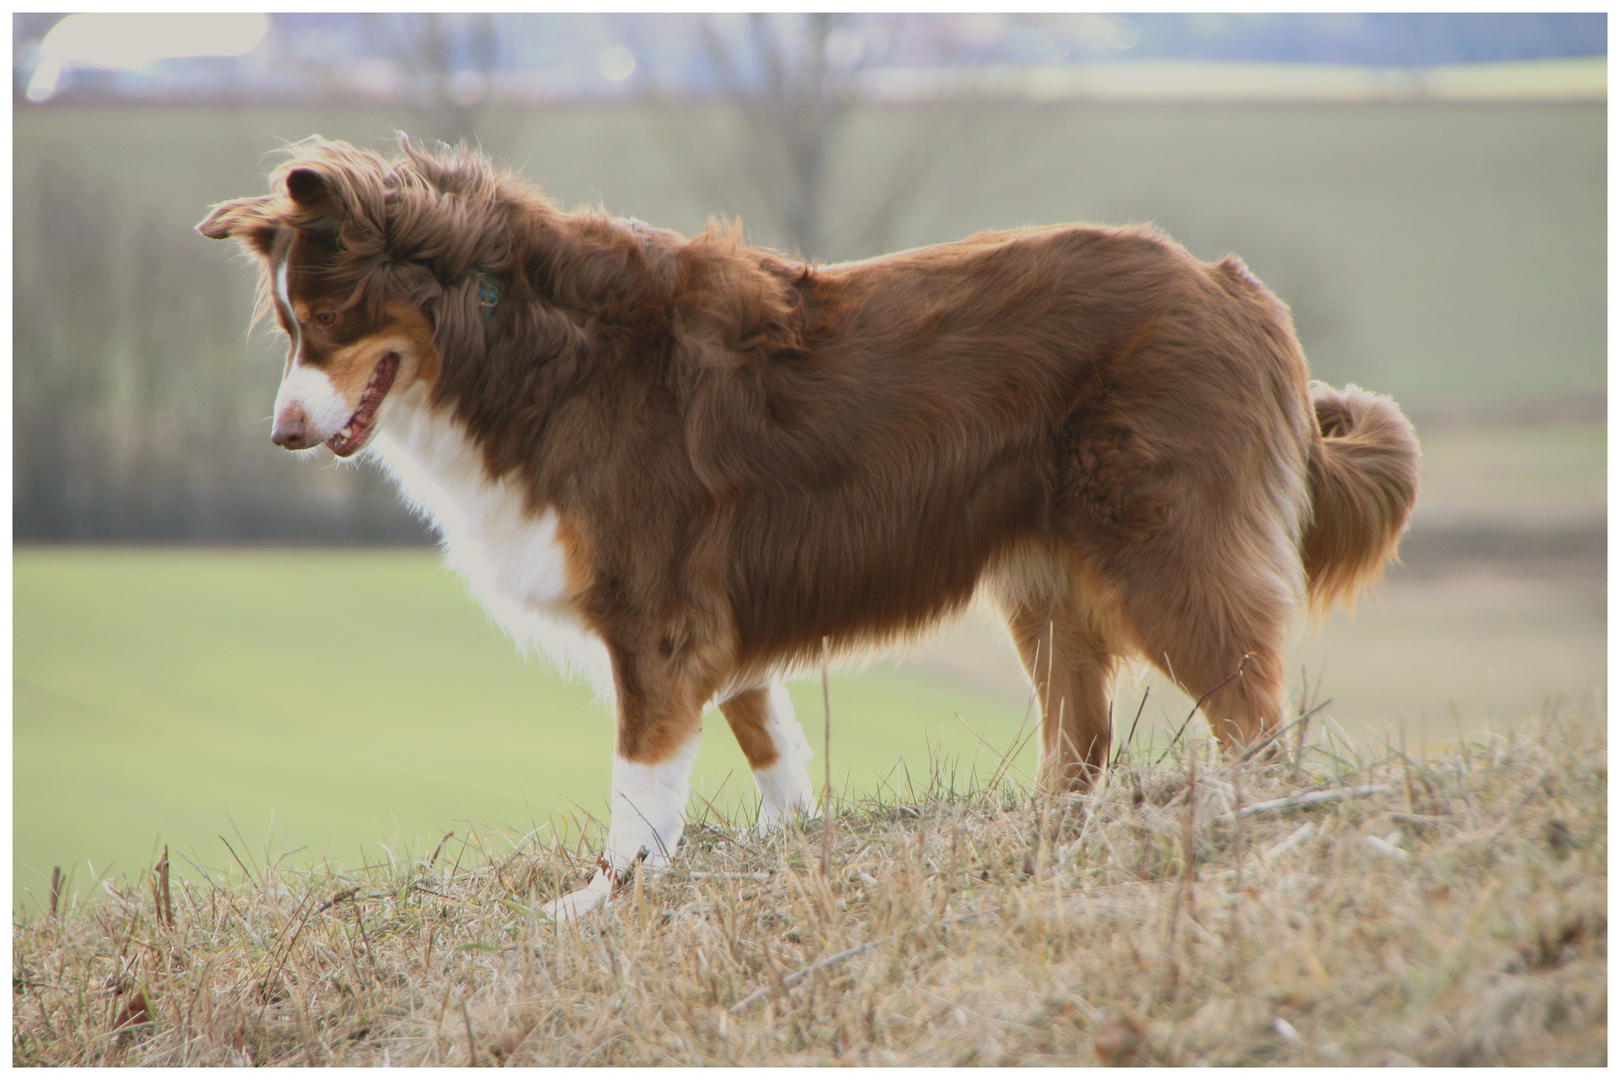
(509, 554)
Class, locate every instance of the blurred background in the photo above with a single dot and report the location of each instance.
(207, 640)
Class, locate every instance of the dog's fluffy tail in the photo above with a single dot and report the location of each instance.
(1364, 480)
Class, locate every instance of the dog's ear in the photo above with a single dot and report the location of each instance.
(313, 193)
(248, 220)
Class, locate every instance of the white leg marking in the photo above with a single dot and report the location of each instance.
(647, 812)
(785, 790)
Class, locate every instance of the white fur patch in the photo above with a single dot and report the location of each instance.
(648, 808)
(647, 811)
(281, 288)
(324, 408)
(785, 789)
(571, 906)
(509, 556)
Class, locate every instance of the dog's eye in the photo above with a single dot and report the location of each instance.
(326, 318)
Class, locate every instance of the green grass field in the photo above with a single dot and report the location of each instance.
(334, 701)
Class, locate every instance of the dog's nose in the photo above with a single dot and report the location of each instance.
(291, 428)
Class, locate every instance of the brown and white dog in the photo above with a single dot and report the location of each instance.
(681, 464)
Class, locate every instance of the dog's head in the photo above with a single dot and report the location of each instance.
(364, 262)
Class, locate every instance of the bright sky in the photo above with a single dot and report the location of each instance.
(128, 42)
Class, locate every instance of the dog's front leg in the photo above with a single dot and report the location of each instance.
(647, 811)
(654, 750)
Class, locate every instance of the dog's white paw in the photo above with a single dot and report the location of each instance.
(581, 902)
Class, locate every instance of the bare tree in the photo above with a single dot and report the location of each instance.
(449, 62)
(440, 71)
(795, 103)
(795, 82)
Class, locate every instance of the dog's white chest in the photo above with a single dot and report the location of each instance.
(510, 557)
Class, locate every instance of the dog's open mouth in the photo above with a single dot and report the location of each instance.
(358, 429)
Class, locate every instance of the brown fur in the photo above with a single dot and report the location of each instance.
(1112, 437)
(745, 713)
(1364, 473)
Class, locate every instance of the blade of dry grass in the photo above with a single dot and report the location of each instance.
(1315, 798)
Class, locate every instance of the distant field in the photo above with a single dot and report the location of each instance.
(333, 701)
(1532, 474)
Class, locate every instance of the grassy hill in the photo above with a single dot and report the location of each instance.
(1445, 906)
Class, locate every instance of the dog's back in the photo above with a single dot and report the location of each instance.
(941, 408)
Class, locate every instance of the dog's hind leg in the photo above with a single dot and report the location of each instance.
(1203, 615)
(1237, 671)
(1071, 664)
(777, 751)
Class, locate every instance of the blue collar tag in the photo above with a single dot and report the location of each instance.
(488, 294)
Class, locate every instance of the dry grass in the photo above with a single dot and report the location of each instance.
(1453, 914)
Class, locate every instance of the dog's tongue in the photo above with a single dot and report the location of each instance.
(353, 435)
